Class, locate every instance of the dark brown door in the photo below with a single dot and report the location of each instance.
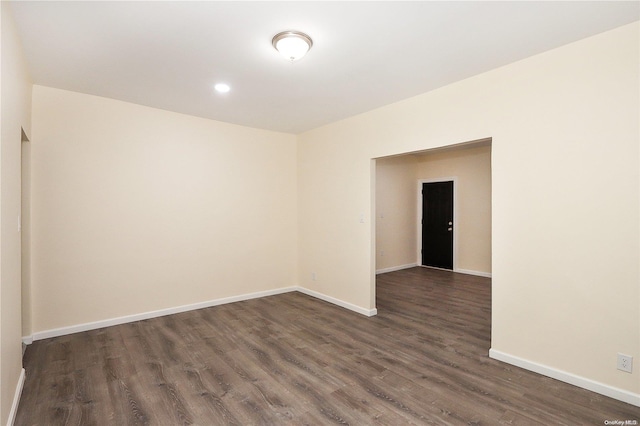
(437, 224)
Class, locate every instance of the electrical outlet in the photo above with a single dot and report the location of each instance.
(625, 363)
(313, 276)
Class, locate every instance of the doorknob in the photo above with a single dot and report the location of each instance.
(449, 229)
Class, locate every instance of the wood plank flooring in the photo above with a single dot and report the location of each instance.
(292, 360)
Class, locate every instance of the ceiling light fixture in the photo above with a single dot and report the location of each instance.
(222, 88)
(293, 45)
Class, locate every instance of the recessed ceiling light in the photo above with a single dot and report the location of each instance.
(222, 87)
(293, 45)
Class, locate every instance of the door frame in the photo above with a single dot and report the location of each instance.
(453, 179)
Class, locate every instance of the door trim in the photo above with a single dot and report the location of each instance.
(453, 179)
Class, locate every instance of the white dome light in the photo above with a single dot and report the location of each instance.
(222, 88)
(293, 45)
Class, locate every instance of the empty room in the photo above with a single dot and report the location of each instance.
(319, 213)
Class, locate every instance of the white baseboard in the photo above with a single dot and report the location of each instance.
(396, 268)
(563, 376)
(147, 315)
(16, 399)
(341, 303)
(184, 308)
(476, 273)
(461, 271)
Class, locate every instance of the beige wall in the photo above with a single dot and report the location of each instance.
(396, 208)
(15, 87)
(472, 169)
(136, 209)
(564, 126)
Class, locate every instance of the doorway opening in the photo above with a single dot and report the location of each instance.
(25, 237)
(398, 208)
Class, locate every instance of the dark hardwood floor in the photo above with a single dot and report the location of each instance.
(293, 359)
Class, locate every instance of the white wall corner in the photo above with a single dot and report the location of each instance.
(16, 399)
(338, 302)
(563, 376)
(63, 331)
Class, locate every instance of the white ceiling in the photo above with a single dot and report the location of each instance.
(365, 55)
